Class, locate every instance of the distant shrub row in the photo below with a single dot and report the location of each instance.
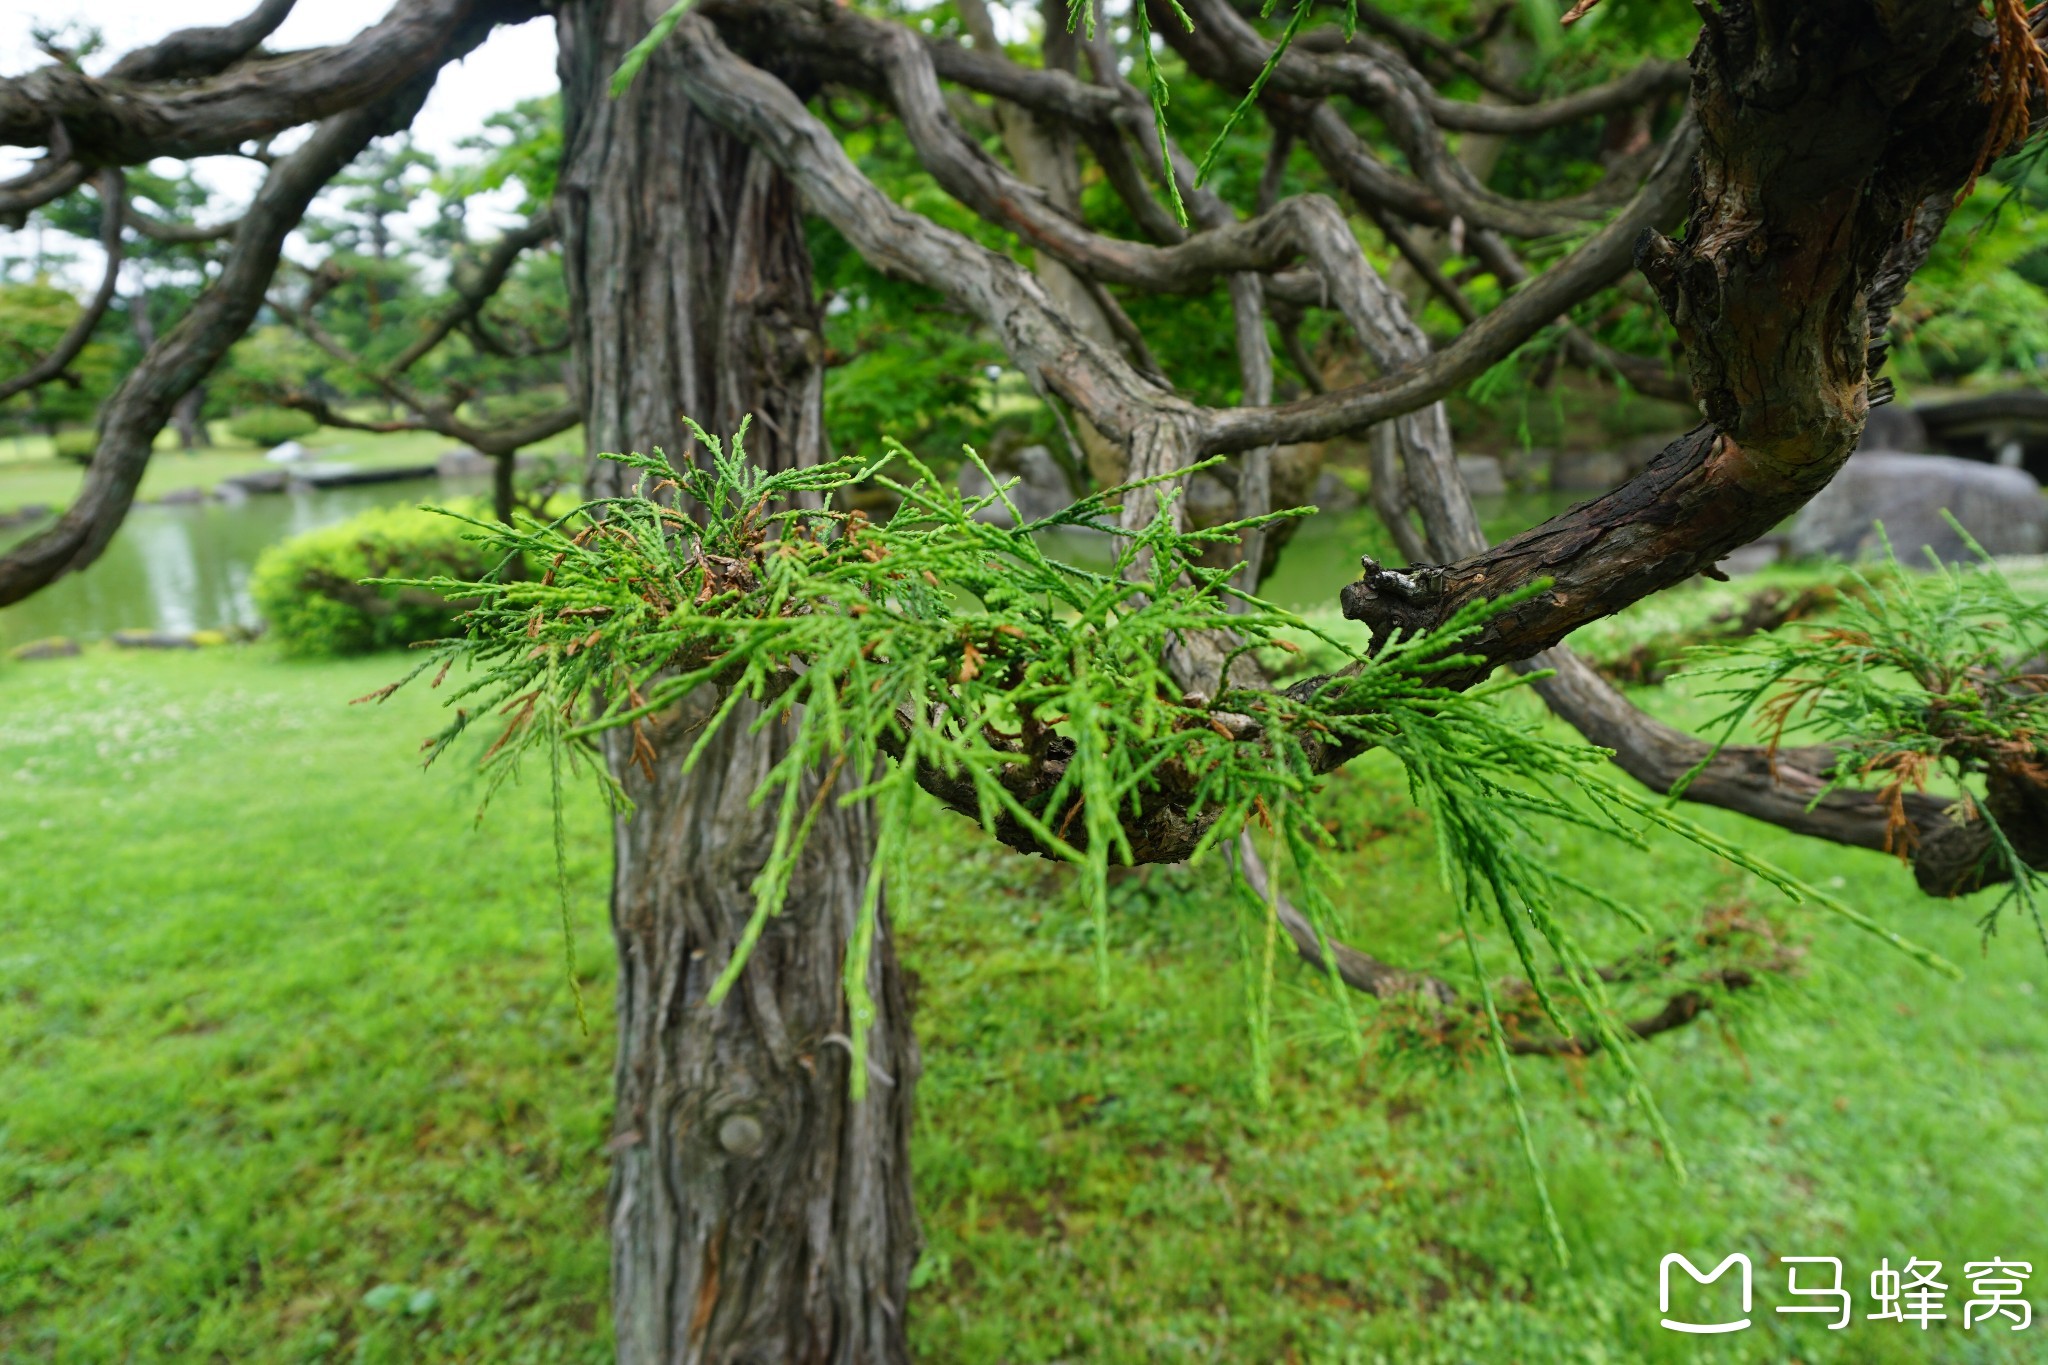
(311, 591)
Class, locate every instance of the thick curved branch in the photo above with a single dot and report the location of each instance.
(1376, 315)
(758, 108)
(1523, 113)
(507, 440)
(1646, 82)
(1777, 788)
(1950, 855)
(1423, 47)
(194, 52)
(837, 46)
(327, 415)
(895, 64)
(1032, 330)
(1780, 293)
(1355, 165)
(1048, 93)
(528, 346)
(111, 185)
(120, 122)
(1595, 264)
(1223, 47)
(1951, 852)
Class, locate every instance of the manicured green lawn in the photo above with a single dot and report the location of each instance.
(289, 1071)
(282, 1027)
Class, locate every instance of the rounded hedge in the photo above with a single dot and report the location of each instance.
(76, 446)
(311, 591)
(268, 427)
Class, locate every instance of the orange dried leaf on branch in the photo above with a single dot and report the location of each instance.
(2021, 71)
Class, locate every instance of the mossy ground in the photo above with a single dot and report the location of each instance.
(289, 1071)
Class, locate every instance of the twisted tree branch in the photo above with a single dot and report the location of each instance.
(131, 419)
(117, 120)
(111, 187)
(194, 52)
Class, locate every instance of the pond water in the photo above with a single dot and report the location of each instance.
(1322, 556)
(186, 567)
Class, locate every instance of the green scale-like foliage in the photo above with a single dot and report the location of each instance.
(940, 647)
(1916, 678)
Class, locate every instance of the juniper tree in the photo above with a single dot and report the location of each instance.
(1803, 162)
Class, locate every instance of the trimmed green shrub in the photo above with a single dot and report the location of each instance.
(310, 588)
(503, 409)
(76, 446)
(268, 427)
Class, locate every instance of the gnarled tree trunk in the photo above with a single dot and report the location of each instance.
(757, 1212)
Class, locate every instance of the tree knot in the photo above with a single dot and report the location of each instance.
(1394, 598)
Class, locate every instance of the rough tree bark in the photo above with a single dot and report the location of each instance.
(756, 1212)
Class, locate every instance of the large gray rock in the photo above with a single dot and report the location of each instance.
(1597, 471)
(1208, 502)
(329, 474)
(1331, 493)
(1586, 471)
(56, 647)
(157, 639)
(1893, 427)
(257, 481)
(1483, 476)
(2002, 508)
(464, 463)
(1040, 491)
